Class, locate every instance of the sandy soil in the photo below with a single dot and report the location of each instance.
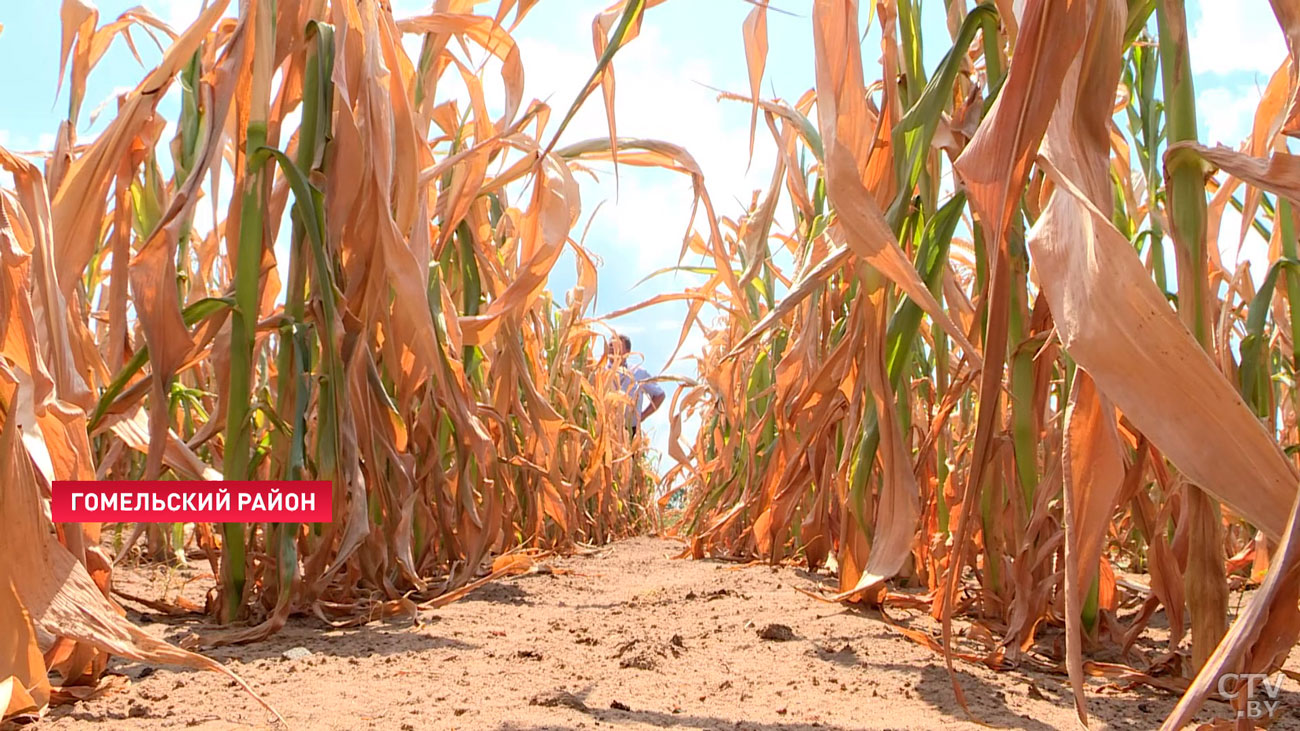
(626, 638)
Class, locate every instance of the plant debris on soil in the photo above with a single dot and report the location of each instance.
(776, 632)
(621, 645)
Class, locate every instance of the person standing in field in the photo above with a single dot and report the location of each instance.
(647, 396)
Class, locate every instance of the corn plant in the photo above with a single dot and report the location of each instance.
(983, 390)
(367, 307)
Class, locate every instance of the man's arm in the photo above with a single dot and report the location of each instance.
(656, 400)
(656, 395)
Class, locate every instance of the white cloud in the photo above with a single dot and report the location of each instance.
(634, 328)
(179, 14)
(1253, 250)
(1228, 113)
(407, 8)
(109, 104)
(1236, 36)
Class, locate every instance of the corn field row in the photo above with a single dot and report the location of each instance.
(1011, 366)
(396, 338)
(975, 346)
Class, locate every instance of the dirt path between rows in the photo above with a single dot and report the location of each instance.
(626, 638)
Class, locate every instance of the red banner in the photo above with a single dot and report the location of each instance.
(197, 501)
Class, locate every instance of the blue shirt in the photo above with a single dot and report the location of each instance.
(636, 383)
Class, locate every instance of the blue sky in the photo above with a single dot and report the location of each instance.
(666, 89)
